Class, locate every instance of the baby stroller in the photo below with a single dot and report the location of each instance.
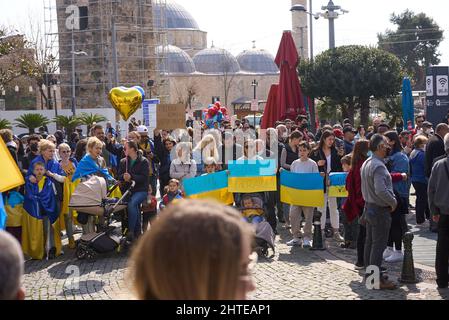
(90, 198)
(264, 235)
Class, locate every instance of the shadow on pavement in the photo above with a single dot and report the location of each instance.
(84, 287)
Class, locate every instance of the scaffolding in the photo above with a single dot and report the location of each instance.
(115, 45)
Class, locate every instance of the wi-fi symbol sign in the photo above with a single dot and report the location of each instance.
(429, 82)
(443, 82)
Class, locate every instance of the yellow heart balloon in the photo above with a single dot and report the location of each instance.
(126, 100)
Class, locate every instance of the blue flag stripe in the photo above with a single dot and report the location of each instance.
(338, 179)
(210, 182)
(302, 181)
(252, 168)
(2, 213)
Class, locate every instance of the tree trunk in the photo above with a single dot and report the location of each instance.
(364, 111)
(344, 112)
(351, 111)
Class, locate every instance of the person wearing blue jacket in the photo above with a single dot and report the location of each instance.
(419, 179)
(398, 163)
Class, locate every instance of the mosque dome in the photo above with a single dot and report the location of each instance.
(178, 61)
(215, 60)
(257, 61)
(176, 17)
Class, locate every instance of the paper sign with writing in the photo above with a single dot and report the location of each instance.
(171, 116)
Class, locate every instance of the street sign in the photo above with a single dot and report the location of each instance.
(149, 112)
(255, 105)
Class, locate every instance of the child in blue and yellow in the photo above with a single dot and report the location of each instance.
(41, 235)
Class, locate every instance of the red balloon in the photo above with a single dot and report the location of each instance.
(218, 104)
(212, 112)
(224, 110)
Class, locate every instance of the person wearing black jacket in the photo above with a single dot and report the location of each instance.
(435, 147)
(163, 150)
(328, 159)
(135, 168)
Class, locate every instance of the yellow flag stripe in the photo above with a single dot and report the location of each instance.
(10, 175)
(338, 192)
(252, 184)
(305, 198)
(221, 195)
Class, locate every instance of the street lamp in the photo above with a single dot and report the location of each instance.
(332, 13)
(54, 83)
(16, 89)
(254, 84)
(74, 53)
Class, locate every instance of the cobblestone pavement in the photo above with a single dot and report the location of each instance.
(293, 273)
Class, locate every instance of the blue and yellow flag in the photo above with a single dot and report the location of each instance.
(10, 175)
(337, 186)
(211, 186)
(302, 189)
(247, 176)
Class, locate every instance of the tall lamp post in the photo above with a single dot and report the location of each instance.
(332, 12)
(74, 53)
(254, 84)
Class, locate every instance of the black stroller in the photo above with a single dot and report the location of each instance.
(91, 198)
(264, 235)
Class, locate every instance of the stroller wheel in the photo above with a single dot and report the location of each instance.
(81, 253)
(90, 255)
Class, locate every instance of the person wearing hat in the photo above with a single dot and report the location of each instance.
(427, 129)
(147, 147)
(348, 139)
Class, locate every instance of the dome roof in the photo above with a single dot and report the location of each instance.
(176, 16)
(257, 61)
(215, 60)
(178, 61)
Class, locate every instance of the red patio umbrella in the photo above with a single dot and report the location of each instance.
(271, 112)
(290, 100)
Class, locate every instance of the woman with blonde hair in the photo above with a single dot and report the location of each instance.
(196, 250)
(206, 148)
(91, 164)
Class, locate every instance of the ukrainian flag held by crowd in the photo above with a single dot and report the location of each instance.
(337, 186)
(247, 176)
(302, 189)
(210, 186)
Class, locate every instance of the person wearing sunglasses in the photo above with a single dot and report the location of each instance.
(196, 250)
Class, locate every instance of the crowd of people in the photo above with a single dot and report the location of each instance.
(382, 164)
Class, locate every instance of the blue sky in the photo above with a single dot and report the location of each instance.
(233, 24)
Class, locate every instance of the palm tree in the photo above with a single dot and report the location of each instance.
(69, 123)
(5, 124)
(31, 121)
(89, 119)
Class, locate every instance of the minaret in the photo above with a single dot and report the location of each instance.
(300, 30)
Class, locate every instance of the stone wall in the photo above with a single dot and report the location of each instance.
(191, 41)
(95, 72)
(207, 86)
